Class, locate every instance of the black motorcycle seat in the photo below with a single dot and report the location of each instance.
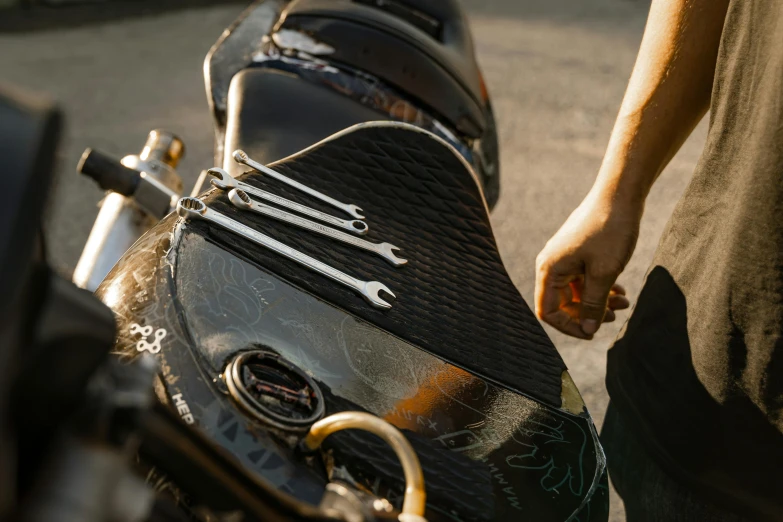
(272, 114)
(439, 70)
(454, 298)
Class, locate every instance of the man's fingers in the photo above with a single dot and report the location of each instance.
(551, 291)
(609, 316)
(618, 302)
(554, 303)
(548, 297)
(564, 322)
(618, 289)
(595, 297)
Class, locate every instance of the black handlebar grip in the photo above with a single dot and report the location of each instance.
(109, 173)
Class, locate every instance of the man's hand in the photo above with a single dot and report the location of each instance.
(667, 95)
(577, 269)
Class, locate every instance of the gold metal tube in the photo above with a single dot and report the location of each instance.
(415, 496)
(163, 146)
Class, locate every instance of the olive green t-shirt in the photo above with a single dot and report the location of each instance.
(698, 370)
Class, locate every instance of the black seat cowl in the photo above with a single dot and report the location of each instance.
(439, 72)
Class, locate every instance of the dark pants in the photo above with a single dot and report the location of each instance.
(648, 493)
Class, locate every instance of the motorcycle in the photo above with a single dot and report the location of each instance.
(265, 363)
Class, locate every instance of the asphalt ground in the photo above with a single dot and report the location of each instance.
(556, 71)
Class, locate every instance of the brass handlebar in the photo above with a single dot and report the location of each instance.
(415, 496)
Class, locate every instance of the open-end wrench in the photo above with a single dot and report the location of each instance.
(192, 208)
(224, 181)
(241, 156)
(240, 199)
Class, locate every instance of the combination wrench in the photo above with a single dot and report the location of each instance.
(241, 156)
(224, 181)
(240, 199)
(192, 209)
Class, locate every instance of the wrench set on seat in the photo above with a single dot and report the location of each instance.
(239, 195)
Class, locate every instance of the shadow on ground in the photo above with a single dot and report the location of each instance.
(46, 18)
(25, 18)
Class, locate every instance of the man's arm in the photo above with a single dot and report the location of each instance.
(668, 93)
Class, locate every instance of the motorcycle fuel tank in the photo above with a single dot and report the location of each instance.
(254, 348)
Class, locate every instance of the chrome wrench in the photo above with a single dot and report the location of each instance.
(241, 156)
(240, 199)
(224, 181)
(192, 208)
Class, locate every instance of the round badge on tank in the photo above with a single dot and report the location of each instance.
(273, 390)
